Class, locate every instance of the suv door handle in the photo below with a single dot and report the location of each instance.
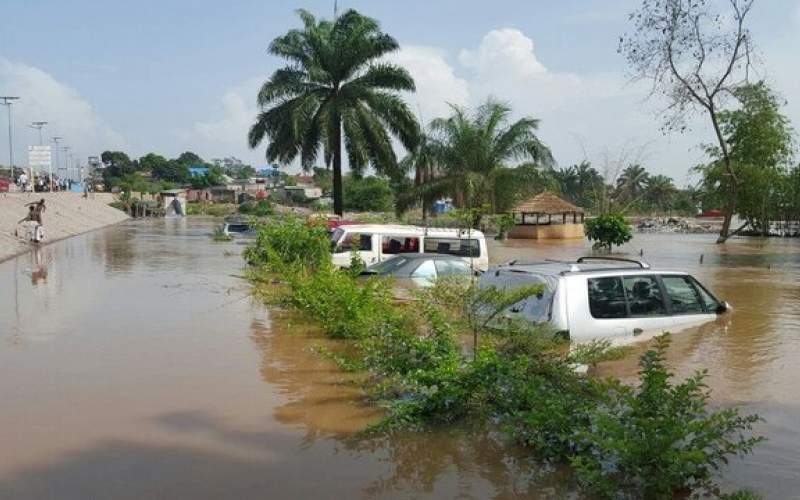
(638, 331)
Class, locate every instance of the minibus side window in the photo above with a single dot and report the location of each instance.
(453, 246)
(362, 241)
(392, 245)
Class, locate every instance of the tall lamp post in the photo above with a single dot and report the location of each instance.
(54, 139)
(7, 102)
(65, 150)
(38, 126)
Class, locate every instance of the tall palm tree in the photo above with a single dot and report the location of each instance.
(423, 161)
(335, 87)
(633, 181)
(471, 148)
(659, 191)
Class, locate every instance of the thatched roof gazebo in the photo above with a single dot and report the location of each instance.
(535, 218)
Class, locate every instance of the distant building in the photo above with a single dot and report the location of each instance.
(303, 192)
(546, 216)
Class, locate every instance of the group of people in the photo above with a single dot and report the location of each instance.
(42, 183)
(34, 221)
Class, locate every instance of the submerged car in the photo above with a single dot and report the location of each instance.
(421, 269)
(606, 298)
(238, 227)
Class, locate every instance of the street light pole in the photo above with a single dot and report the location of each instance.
(38, 126)
(7, 101)
(54, 139)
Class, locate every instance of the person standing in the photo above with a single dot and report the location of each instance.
(22, 182)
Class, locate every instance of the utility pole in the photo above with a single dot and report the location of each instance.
(65, 149)
(7, 102)
(38, 126)
(54, 139)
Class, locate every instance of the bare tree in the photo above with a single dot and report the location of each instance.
(695, 53)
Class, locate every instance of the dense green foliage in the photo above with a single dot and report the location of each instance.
(210, 209)
(293, 241)
(153, 172)
(760, 150)
(259, 208)
(462, 153)
(336, 87)
(649, 441)
(367, 194)
(608, 230)
(658, 438)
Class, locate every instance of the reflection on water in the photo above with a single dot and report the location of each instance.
(134, 364)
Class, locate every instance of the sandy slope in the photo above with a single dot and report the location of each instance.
(67, 214)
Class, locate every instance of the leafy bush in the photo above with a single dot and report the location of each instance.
(260, 208)
(367, 194)
(219, 235)
(607, 230)
(289, 243)
(659, 438)
(342, 306)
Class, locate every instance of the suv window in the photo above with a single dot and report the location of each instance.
(644, 296)
(682, 294)
(709, 301)
(607, 298)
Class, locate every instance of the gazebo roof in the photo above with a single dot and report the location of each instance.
(546, 203)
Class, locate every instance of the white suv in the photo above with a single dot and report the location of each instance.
(607, 297)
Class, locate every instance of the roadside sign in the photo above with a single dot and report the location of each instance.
(39, 156)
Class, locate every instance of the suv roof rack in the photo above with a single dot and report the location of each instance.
(639, 263)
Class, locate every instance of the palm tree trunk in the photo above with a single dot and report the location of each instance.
(338, 206)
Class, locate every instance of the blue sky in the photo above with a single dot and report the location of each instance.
(174, 75)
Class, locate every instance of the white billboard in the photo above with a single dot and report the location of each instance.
(39, 156)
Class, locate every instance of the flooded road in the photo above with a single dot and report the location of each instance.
(134, 364)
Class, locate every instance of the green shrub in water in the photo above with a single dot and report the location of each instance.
(219, 235)
(608, 230)
(291, 242)
(343, 307)
(658, 438)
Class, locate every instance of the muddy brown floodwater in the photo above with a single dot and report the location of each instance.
(135, 364)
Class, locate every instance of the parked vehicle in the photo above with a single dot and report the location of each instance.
(421, 269)
(238, 227)
(378, 242)
(607, 298)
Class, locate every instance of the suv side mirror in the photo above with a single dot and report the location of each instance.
(722, 307)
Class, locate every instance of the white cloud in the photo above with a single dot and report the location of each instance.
(43, 98)
(503, 51)
(436, 81)
(227, 135)
(581, 113)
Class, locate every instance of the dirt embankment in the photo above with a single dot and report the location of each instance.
(67, 214)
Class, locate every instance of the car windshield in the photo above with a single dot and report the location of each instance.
(536, 307)
(388, 266)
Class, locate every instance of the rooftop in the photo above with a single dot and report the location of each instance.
(547, 203)
(582, 265)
